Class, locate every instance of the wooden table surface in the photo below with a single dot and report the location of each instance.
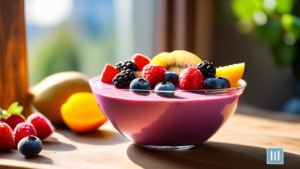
(241, 143)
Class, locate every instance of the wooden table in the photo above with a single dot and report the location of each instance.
(241, 144)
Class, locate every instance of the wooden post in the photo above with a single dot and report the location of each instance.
(13, 62)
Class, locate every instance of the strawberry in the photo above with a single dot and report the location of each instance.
(13, 115)
(191, 79)
(42, 125)
(153, 73)
(108, 73)
(6, 137)
(22, 130)
(140, 60)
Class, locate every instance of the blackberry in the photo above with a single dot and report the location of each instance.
(207, 69)
(119, 66)
(123, 79)
(126, 65)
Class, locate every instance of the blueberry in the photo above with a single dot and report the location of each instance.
(225, 81)
(214, 83)
(30, 146)
(171, 77)
(140, 84)
(165, 89)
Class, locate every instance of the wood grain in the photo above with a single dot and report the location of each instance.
(241, 143)
(13, 62)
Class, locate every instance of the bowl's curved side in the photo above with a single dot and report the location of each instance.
(168, 123)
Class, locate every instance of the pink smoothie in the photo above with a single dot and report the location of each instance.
(188, 118)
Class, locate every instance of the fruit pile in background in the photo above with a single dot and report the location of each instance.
(166, 70)
(66, 98)
(26, 135)
(81, 112)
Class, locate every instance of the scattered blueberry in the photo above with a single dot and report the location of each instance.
(171, 77)
(225, 81)
(216, 83)
(140, 84)
(165, 89)
(30, 146)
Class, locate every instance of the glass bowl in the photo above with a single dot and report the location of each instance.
(183, 121)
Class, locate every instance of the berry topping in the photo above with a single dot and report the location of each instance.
(41, 124)
(30, 146)
(216, 83)
(165, 89)
(153, 73)
(171, 77)
(12, 116)
(207, 69)
(6, 137)
(191, 79)
(124, 78)
(126, 65)
(108, 73)
(225, 81)
(141, 84)
(22, 130)
(140, 60)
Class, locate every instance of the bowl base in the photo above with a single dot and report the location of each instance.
(154, 147)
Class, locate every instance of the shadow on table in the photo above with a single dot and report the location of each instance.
(99, 137)
(15, 155)
(271, 115)
(209, 155)
(58, 146)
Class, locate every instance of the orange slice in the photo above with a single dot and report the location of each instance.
(232, 72)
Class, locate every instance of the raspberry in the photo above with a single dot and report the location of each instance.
(154, 74)
(22, 130)
(140, 60)
(108, 73)
(191, 79)
(41, 124)
(6, 137)
(207, 69)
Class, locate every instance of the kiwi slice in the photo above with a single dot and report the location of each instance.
(176, 61)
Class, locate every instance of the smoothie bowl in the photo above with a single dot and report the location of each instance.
(183, 121)
(173, 101)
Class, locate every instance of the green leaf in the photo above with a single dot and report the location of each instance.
(4, 114)
(244, 8)
(18, 110)
(287, 21)
(12, 107)
(284, 6)
(270, 32)
(270, 6)
(283, 54)
(291, 24)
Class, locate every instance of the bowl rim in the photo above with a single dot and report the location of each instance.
(212, 91)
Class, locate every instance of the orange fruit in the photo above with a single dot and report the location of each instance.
(81, 112)
(232, 72)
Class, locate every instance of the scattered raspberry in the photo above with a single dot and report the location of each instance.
(22, 130)
(13, 120)
(108, 73)
(140, 60)
(191, 79)
(41, 124)
(6, 137)
(154, 74)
